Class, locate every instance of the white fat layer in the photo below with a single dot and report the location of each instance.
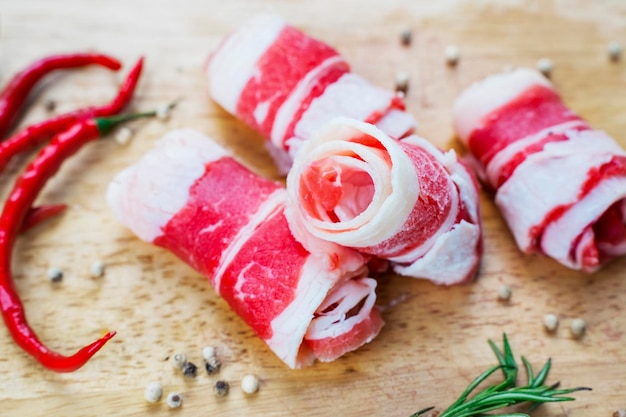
(468, 188)
(494, 168)
(351, 96)
(452, 260)
(347, 296)
(271, 205)
(317, 278)
(172, 166)
(261, 110)
(234, 63)
(558, 237)
(489, 94)
(586, 239)
(551, 178)
(396, 185)
(397, 124)
(287, 110)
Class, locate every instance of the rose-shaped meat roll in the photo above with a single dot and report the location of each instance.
(286, 84)
(190, 196)
(404, 201)
(561, 185)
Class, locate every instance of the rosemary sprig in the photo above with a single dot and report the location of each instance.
(506, 393)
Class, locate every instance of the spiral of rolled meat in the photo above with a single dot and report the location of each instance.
(190, 196)
(559, 183)
(286, 84)
(404, 201)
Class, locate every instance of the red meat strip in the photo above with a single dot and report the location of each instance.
(286, 84)
(404, 201)
(191, 197)
(560, 184)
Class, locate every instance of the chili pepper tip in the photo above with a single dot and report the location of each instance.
(74, 362)
(107, 61)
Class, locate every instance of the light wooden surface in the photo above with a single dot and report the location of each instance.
(434, 342)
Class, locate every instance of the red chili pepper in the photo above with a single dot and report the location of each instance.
(37, 133)
(16, 209)
(14, 95)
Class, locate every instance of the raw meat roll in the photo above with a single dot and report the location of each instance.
(286, 84)
(404, 201)
(561, 185)
(191, 197)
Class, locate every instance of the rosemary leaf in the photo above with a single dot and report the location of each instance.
(542, 375)
(506, 393)
(529, 371)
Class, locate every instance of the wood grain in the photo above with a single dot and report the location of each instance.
(434, 342)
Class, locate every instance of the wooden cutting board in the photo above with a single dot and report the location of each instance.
(435, 340)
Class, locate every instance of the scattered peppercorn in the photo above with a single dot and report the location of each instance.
(250, 384)
(55, 274)
(97, 269)
(212, 367)
(179, 360)
(211, 363)
(577, 327)
(402, 82)
(190, 370)
(221, 388)
(163, 111)
(406, 36)
(208, 353)
(452, 55)
(550, 322)
(153, 392)
(174, 400)
(504, 293)
(546, 66)
(123, 136)
(615, 51)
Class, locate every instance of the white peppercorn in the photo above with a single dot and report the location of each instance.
(402, 82)
(208, 352)
(452, 55)
(577, 327)
(123, 136)
(545, 66)
(55, 274)
(504, 293)
(97, 269)
(250, 384)
(615, 51)
(153, 392)
(550, 322)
